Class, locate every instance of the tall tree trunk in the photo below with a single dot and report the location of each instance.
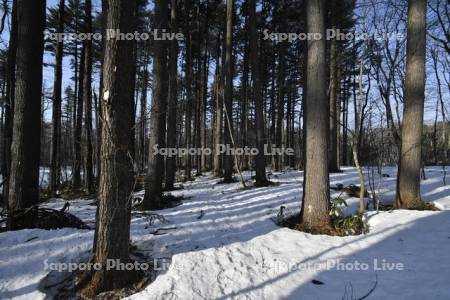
(100, 122)
(408, 188)
(76, 82)
(272, 111)
(87, 97)
(198, 99)
(445, 144)
(55, 163)
(189, 96)
(290, 120)
(244, 107)
(25, 149)
(316, 198)
(228, 92)
(218, 115)
(280, 104)
(76, 172)
(9, 108)
(115, 188)
(345, 104)
(204, 87)
(143, 117)
(154, 178)
(260, 160)
(173, 99)
(333, 104)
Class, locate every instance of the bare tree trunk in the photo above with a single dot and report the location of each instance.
(280, 104)
(408, 188)
(204, 86)
(198, 111)
(244, 107)
(345, 105)
(9, 108)
(228, 92)
(218, 125)
(25, 149)
(115, 188)
(154, 178)
(55, 167)
(87, 99)
(446, 146)
(189, 96)
(315, 204)
(143, 117)
(76, 172)
(356, 137)
(173, 99)
(334, 102)
(260, 160)
(100, 121)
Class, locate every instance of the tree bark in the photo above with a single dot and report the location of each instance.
(408, 188)
(228, 92)
(76, 172)
(143, 118)
(55, 167)
(9, 108)
(87, 97)
(260, 160)
(173, 99)
(189, 96)
(24, 178)
(218, 115)
(154, 178)
(204, 87)
(244, 106)
(281, 90)
(334, 112)
(115, 188)
(315, 204)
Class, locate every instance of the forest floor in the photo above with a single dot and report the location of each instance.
(223, 243)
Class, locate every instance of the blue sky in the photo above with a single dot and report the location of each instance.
(67, 72)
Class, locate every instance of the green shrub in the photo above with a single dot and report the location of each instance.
(352, 225)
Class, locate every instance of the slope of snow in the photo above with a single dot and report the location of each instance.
(222, 244)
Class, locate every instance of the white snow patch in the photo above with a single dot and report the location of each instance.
(235, 251)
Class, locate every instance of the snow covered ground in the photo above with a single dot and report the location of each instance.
(221, 243)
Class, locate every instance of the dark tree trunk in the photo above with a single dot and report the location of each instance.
(173, 99)
(260, 160)
(198, 99)
(143, 118)
(272, 109)
(9, 108)
(345, 100)
(316, 197)
(55, 160)
(334, 102)
(244, 103)
(25, 150)
(228, 92)
(100, 122)
(280, 104)
(218, 116)
(87, 87)
(204, 87)
(76, 175)
(115, 188)
(76, 82)
(154, 178)
(408, 189)
(189, 95)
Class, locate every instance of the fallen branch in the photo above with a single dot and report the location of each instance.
(42, 218)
